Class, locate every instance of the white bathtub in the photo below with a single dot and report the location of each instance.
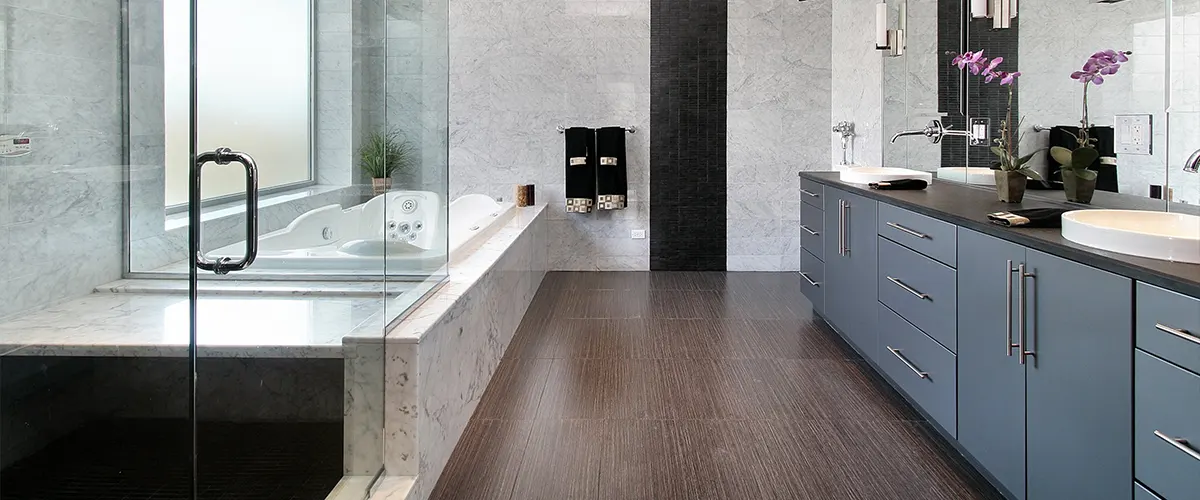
(400, 232)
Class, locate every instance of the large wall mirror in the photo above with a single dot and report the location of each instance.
(1146, 117)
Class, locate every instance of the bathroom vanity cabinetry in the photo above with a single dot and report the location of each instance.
(1021, 348)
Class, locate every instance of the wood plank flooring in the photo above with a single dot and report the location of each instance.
(692, 386)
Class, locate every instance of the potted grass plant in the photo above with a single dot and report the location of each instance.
(1012, 174)
(382, 155)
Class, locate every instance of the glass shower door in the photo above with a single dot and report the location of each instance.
(269, 358)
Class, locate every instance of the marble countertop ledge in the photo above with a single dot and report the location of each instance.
(968, 206)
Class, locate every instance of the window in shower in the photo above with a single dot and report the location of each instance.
(254, 94)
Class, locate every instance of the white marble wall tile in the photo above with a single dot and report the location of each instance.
(520, 69)
(779, 110)
(363, 409)
(857, 75)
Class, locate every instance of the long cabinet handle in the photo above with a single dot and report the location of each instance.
(809, 193)
(1008, 317)
(903, 229)
(908, 289)
(809, 231)
(1022, 343)
(908, 363)
(809, 280)
(1183, 334)
(1179, 444)
(841, 228)
(845, 228)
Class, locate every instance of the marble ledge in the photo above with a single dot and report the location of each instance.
(464, 273)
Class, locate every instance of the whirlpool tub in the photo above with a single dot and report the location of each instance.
(401, 232)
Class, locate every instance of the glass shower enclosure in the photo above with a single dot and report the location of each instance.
(211, 211)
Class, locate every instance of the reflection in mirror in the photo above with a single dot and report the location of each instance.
(1126, 110)
(917, 88)
(1184, 116)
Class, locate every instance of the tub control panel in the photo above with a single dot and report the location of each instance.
(13, 146)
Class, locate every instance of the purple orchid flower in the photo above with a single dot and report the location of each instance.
(1010, 78)
(1101, 64)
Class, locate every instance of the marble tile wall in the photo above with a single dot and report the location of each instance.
(780, 105)
(857, 81)
(520, 69)
(1185, 99)
(441, 358)
(1051, 50)
(61, 87)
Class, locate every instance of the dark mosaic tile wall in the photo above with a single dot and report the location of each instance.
(688, 56)
(984, 100)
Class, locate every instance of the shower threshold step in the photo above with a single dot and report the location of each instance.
(260, 288)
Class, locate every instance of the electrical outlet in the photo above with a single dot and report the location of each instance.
(1134, 135)
(638, 234)
(980, 132)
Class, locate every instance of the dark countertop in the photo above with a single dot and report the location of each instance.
(968, 206)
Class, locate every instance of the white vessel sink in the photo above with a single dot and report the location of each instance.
(969, 175)
(868, 175)
(1157, 235)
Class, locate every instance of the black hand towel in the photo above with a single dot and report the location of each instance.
(581, 169)
(1105, 167)
(899, 185)
(1034, 217)
(611, 182)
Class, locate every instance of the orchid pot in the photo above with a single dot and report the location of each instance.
(1012, 174)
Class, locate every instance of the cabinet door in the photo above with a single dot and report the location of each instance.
(1079, 394)
(991, 383)
(851, 267)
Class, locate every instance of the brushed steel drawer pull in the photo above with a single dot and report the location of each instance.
(908, 363)
(1183, 334)
(908, 289)
(809, 231)
(1179, 444)
(809, 280)
(903, 229)
(809, 193)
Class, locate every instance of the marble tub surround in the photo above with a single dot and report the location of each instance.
(124, 324)
(440, 358)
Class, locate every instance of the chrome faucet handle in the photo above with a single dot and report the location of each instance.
(935, 131)
(1193, 163)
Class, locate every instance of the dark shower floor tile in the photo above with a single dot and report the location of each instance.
(148, 460)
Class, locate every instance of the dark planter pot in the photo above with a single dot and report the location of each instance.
(1010, 186)
(1078, 190)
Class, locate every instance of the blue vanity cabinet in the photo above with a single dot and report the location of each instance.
(851, 267)
(812, 248)
(1078, 381)
(991, 380)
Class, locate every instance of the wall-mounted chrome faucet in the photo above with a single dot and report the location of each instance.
(1193, 163)
(935, 131)
(846, 129)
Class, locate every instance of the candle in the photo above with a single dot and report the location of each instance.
(881, 25)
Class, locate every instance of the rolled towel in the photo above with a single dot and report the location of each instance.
(580, 169)
(1033, 217)
(899, 185)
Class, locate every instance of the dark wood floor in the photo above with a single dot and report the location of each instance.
(692, 386)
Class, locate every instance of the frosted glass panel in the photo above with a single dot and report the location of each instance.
(253, 88)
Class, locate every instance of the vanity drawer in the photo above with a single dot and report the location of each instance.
(1141, 493)
(920, 366)
(926, 235)
(1165, 405)
(1168, 325)
(920, 289)
(812, 277)
(812, 193)
(812, 230)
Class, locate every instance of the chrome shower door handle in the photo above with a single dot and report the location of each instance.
(225, 156)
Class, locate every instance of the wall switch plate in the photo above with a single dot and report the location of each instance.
(1134, 135)
(980, 131)
(638, 234)
(13, 146)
